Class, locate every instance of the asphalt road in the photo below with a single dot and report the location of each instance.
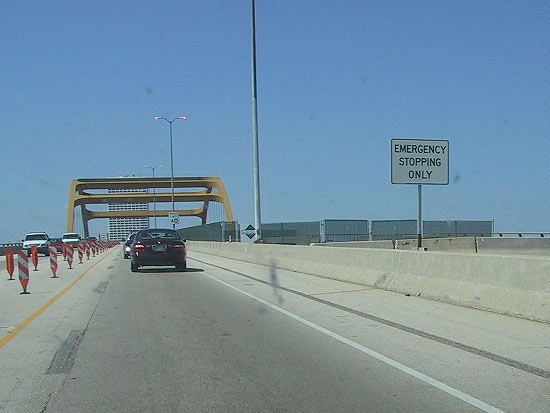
(231, 336)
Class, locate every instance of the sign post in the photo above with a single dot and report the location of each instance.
(419, 162)
(419, 221)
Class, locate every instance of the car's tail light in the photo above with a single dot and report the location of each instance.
(179, 248)
(139, 247)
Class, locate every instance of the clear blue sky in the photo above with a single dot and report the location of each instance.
(81, 82)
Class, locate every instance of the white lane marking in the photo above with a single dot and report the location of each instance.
(405, 369)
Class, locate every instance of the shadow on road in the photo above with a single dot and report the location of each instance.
(155, 270)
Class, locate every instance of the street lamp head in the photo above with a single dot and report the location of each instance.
(156, 118)
(183, 117)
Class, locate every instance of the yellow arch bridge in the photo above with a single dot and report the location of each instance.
(119, 191)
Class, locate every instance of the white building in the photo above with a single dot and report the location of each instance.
(120, 228)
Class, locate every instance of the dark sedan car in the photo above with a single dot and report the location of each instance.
(158, 247)
(56, 242)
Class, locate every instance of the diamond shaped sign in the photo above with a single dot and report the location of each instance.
(250, 231)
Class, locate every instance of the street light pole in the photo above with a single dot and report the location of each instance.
(154, 192)
(171, 158)
(257, 210)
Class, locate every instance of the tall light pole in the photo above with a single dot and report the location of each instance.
(154, 191)
(171, 157)
(257, 211)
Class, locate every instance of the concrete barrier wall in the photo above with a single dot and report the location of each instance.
(517, 246)
(511, 285)
(466, 244)
(482, 245)
(387, 244)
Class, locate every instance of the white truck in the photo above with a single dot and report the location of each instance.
(71, 238)
(40, 239)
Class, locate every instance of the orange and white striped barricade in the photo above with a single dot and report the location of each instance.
(9, 263)
(64, 251)
(70, 254)
(53, 261)
(80, 252)
(23, 266)
(87, 249)
(93, 248)
(34, 256)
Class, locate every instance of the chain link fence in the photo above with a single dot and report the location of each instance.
(340, 230)
(215, 231)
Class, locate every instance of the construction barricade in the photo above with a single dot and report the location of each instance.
(34, 256)
(23, 267)
(80, 252)
(53, 261)
(9, 263)
(70, 254)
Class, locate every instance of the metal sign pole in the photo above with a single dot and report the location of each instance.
(419, 223)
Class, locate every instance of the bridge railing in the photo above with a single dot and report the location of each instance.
(15, 245)
(522, 234)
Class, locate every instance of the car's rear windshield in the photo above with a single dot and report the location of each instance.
(34, 237)
(71, 236)
(167, 234)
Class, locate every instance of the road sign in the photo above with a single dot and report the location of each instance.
(174, 217)
(419, 161)
(250, 231)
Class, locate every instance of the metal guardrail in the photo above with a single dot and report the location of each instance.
(522, 234)
(471, 234)
(15, 245)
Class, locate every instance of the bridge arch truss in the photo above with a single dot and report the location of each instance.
(202, 190)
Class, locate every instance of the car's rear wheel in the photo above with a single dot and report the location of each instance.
(181, 267)
(134, 267)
